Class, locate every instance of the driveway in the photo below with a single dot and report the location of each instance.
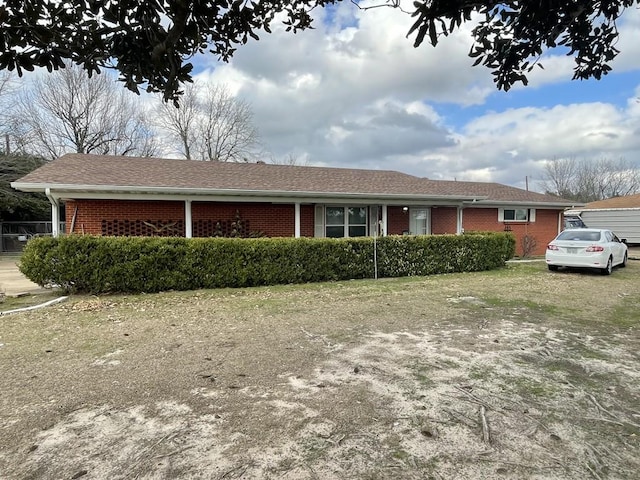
(12, 282)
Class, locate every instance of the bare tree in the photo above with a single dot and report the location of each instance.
(210, 124)
(181, 124)
(588, 181)
(559, 177)
(289, 159)
(8, 86)
(67, 111)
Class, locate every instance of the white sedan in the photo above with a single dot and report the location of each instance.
(587, 248)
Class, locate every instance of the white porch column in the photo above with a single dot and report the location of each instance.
(55, 213)
(384, 221)
(188, 222)
(297, 220)
(459, 229)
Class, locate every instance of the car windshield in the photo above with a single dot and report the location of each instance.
(581, 235)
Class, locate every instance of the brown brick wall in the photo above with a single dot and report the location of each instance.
(273, 220)
(307, 220)
(543, 230)
(278, 220)
(90, 213)
(397, 221)
(443, 220)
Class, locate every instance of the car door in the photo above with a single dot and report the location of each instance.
(618, 248)
(612, 246)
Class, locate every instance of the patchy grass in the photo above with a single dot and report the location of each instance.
(626, 313)
(360, 379)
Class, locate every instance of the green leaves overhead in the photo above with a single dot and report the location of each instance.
(151, 42)
(511, 36)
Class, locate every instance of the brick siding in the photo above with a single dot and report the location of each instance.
(90, 213)
(542, 231)
(272, 220)
(397, 221)
(444, 220)
(277, 220)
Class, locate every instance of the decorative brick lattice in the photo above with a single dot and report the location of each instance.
(221, 228)
(143, 228)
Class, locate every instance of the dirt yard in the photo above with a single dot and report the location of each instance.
(517, 374)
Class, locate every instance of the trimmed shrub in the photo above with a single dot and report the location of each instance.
(151, 264)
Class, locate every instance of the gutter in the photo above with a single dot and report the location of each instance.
(617, 209)
(70, 188)
(499, 203)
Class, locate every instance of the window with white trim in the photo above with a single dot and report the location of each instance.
(341, 221)
(516, 215)
(334, 221)
(357, 221)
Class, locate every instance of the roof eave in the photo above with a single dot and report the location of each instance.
(526, 203)
(609, 209)
(70, 188)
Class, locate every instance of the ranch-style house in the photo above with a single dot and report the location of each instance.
(117, 195)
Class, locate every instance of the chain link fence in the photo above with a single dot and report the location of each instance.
(15, 235)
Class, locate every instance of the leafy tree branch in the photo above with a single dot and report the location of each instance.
(150, 43)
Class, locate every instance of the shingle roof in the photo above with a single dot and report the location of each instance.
(100, 171)
(492, 191)
(76, 169)
(629, 201)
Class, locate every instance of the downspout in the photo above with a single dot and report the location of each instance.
(560, 221)
(460, 217)
(55, 213)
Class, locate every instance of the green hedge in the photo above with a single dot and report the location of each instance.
(140, 264)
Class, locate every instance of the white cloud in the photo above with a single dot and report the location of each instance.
(354, 92)
(485, 146)
(629, 26)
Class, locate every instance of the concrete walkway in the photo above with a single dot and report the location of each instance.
(12, 282)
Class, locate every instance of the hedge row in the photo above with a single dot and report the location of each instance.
(137, 264)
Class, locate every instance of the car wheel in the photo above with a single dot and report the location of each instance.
(624, 261)
(609, 268)
(553, 268)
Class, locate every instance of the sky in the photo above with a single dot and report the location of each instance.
(355, 93)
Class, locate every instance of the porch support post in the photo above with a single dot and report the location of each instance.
(297, 220)
(459, 229)
(188, 222)
(55, 213)
(384, 221)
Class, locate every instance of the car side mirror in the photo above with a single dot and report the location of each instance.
(623, 240)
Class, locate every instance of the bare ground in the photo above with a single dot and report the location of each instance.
(516, 374)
